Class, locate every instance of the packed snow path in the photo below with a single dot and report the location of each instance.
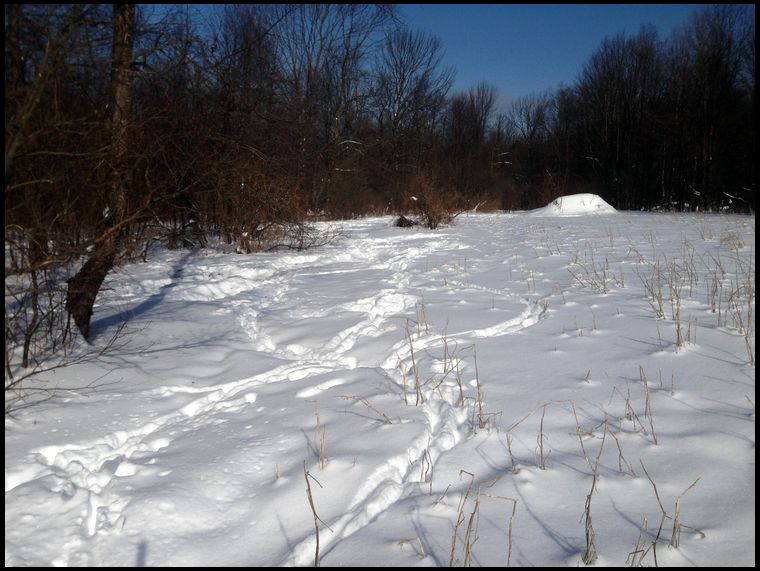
(390, 366)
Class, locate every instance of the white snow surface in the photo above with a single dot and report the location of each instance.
(575, 205)
(507, 355)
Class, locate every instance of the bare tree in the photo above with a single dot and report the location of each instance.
(466, 158)
(410, 88)
(26, 102)
(323, 50)
(714, 40)
(529, 117)
(85, 285)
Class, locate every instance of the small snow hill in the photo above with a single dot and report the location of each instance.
(574, 205)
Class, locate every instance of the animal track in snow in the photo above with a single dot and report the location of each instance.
(314, 391)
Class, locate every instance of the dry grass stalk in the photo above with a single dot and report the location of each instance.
(443, 495)
(601, 447)
(675, 302)
(629, 413)
(366, 403)
(653, 287)
(647, 401)
(459, 384)
(675, 537)
(662, 509)
(648, 404)
(420, 398)
(451, 364)
(422, 320)
(540, 440)
(426, 468)
(621, 459)
(403, 378)
(402, 542)
(317, 519)
(321, 440)
(636, 556)
(471, 534)
(512, 459)
(481, 418)
(750, 350)
(509, 526)
(580, 433)
(589, 555)
(588, 273)
(515, 469)
(460, 515)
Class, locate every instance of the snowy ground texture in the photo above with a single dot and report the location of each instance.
(453, 395)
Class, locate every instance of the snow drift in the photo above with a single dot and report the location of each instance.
(365, 363)
(575, 205)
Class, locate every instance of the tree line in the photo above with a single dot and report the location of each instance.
(125, 127)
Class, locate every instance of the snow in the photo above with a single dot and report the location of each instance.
(575, 205)
(192, 445)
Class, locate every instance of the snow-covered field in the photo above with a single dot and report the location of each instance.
(449, 396)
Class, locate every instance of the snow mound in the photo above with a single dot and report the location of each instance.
(575, 205)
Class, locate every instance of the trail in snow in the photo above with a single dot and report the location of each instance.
(207, 431)
(267, 304)
(446, 422)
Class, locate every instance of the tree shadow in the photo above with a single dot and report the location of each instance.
(142, 554)
(100, 326)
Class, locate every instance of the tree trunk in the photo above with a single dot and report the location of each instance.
(83, 288)
(14, 15)
(85, 285)
(121, 62)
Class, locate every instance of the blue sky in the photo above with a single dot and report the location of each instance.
(529, 48)
(523, 48)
